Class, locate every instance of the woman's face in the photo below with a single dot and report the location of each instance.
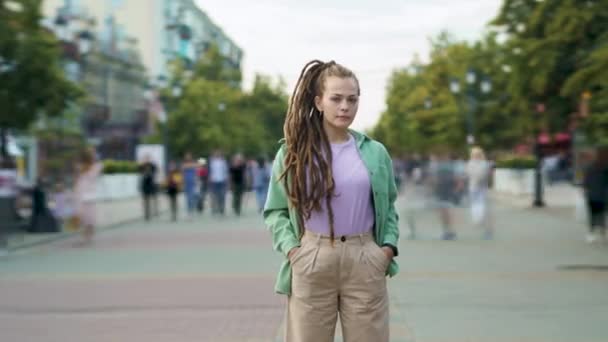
(339, 102)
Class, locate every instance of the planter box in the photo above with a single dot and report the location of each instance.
(514, 181)
(118, 186)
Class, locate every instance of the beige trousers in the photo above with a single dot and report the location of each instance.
(348, 279)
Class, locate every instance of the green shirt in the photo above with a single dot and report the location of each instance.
(282, 221)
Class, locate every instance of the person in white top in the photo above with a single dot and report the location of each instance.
(85, 194)
(218, 180)
(478, 172)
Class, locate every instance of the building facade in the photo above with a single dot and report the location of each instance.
(105, 61)
(117, 49)
(164, 29)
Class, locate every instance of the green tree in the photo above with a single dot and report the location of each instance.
(559, 50)
(214, 67)
(266, 104)
(214, 113)
(422, 113)
(555, 50)
(32, 82)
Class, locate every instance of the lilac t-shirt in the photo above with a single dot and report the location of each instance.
(352, 204)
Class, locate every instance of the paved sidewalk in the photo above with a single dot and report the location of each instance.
(110, 213)
(211, 279)
(557, 196)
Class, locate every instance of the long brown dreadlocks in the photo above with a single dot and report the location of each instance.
(308, 177)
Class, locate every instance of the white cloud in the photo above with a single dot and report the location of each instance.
(370, 37)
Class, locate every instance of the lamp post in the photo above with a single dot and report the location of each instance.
(161, 84)
(176, 91)
(485, 86)
(538, 176)
(428, 103)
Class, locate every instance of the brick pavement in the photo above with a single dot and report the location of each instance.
(211, 279)
(110, 213)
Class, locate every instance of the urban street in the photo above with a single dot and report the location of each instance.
(211, 279)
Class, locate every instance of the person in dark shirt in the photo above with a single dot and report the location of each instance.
(173, 182)
(203, 180)
(42, 220)
(237, 182)
(595, 184)
(148, 171)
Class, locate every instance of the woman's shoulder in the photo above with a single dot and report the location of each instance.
(281, 150)
(376, 147)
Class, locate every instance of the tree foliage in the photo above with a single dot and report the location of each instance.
(212, 113)
(31, 79)
(423, 114)
(547, 52)
(559, 50)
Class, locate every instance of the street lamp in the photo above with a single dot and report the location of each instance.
(454, 86)
(177, 91)
(85, 41)
(471, 77)
(161, 83)
(428, 104)
(485, 86)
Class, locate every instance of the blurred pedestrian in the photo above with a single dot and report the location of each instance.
(62, 204)
(460, 176)
(218, 181)
(173, 184)
(189, 176)
(331, 212)
(261, 180)
(237, 182)
(444, 183)
(85, 190)
(595, 184)
(478, 173)
(203, 180)
(42, 219)
(147, 171)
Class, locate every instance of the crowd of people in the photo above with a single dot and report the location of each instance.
(201, 178)
(70, 204)
(439, 181)
(442, 181)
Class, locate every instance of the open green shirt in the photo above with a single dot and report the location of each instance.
(282, 221)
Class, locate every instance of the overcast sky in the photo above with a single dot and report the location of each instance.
(370, 37)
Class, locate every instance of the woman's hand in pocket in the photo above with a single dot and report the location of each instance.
(292, 252)
(388, 252)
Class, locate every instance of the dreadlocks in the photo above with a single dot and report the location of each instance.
(308, 175)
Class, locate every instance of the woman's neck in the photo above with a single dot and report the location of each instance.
(336, 136)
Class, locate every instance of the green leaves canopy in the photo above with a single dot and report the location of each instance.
(214, 113)
(31, 79)
(548, 52)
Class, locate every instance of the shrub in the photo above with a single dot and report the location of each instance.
(119, 166)
(516, 162)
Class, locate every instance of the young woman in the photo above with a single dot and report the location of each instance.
(330, 209)
(85, 190)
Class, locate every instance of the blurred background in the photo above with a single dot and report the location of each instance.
(495, 113)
